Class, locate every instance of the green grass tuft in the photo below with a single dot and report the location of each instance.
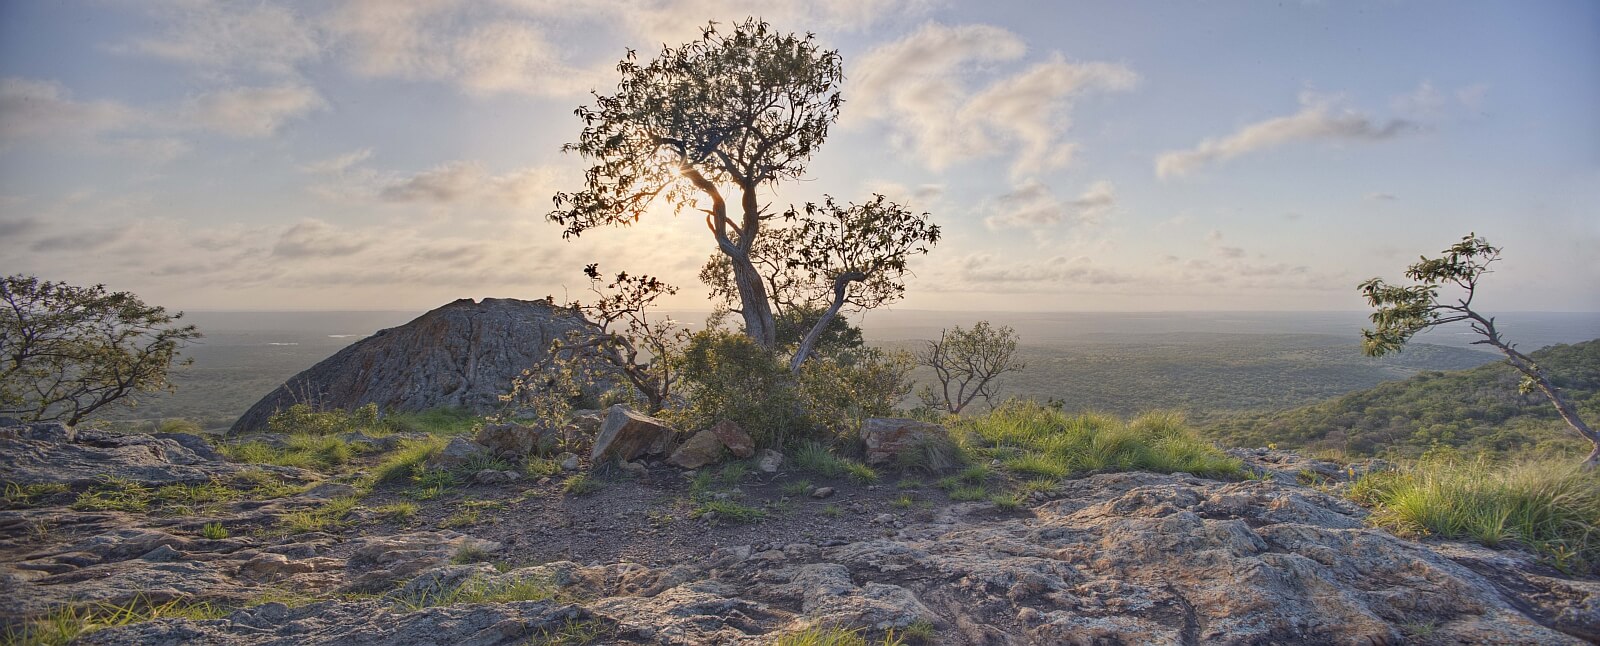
(1549, 507)
(816, 458)
(214, 531)
(582, 484)
(728, 510)
(1035, 440)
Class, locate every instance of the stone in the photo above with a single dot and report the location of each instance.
(461, 355)
(703, 448)
(162, 554)
(636, 469)
(769, 461)
(513, 440)
(456, 454)
(736, 439)
(569, 461)
(626, 435)
(50, 453)
(821, 492)
(887, 437)
(330, 490)
(493, 477)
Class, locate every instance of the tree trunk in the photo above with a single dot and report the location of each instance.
(1525, 365)
(753, 302)
(840, 284)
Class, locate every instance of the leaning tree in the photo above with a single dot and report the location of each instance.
(739, 111)
(1403, 311)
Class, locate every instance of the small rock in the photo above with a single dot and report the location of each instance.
(331, 490)
(1028, 616)
(513, 440)
(883, 519)
(636, 469)
(733, 437)
(493, 477)
(703, 448)
(821, 492)
(162, 554)
(569, 461)
(456, 454)
(769, 461)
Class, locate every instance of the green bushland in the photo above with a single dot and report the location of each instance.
(1549, 506)
(1032, 439)
(1480, 410)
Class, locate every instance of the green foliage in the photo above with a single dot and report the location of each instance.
(463, 518)
(837, 636)
(302, 419)
(582, 484)
(1477, 410)
(860, 472)
(1053, 444)
(323, 517)
(402, 512)
(484, 590)
(967, 364)
(1549, 507)
(435, 421)
(1006, 501)
(731, 377)
(969, 493)
(816, 458)
(840, 389)
(179, 426)
(405, 461)
(796, 488)
(70, 352)
(1403, 311)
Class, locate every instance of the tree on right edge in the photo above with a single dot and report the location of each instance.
(1403, 311)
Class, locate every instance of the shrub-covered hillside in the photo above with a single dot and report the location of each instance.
(1476, 410)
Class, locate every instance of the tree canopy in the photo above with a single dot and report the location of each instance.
(67, 352)
(743, 110)
(1402, 311)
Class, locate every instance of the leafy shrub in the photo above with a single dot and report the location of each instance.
(841, 389)
(730, 377)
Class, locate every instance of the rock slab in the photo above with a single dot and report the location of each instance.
(887, 437)
(626, 435)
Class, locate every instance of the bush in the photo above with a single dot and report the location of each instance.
(730, 377)
(301, 419)
(841, 389)
(1550, 507)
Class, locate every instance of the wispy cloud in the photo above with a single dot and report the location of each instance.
(1316, 120)
(253, 111)
(1033, 205)
(222, 36)
(936, 93)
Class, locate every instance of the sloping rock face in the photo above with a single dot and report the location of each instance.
(52, 453)
(1128, 558)
(464, 355)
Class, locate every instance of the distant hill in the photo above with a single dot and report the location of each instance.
(1478, 409)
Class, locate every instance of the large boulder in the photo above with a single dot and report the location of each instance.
(626, 435)
(514, 440)
(887, 437)
(462, 355)
(703, 448)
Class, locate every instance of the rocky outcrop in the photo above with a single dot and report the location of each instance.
(51, 453)
(710, 445)
(888, 437)
(462, 355)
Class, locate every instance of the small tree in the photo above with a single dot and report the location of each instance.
(67, 352)
(745, 110)
(1403, 311)
(967, 364)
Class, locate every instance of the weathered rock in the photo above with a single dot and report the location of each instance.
(770, 461)
(456, 454)
(636, 469)
(330, 490)
(626, 435)
(703, 448)
(493, 477)
(736, 439)
(52, 453)
(461, 355)
(513, 440)
(569, 461)
(887, 437)
(822, 492)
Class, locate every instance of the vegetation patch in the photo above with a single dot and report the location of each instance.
(18, 496)
(68, 623)
(1547, 506)
(728, 510)
(1051, 443)
(327, 516)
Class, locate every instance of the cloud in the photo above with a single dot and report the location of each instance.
(1033, 205)
(32, 109)
(1316, 120)
(216, 36)
(253, 111)
(1051, 273)
(315, 238)
(460, 182)
(17, 227)
(1380, 197)
(339, 163)
(921, 88)
(82, 239)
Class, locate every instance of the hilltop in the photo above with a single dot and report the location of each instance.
(1479, 409)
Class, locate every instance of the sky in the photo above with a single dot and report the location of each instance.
(1079, 156)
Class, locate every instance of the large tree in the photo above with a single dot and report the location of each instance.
(67, 352)
(1402, 311)
(732, 111)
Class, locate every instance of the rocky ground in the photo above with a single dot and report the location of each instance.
(731, 555)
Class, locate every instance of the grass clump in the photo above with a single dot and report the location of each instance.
(860, 472)
(481, 590)
(796, 488)
(463, 518)
(116, 494)
(969, 493)
(329, 515)
(1050, 443)
(838, 636)
(1006, 501)
(400, 512)
(67, 623)
(728, 510)
(816, 458)
(405, 461)
(17, 496)
(214, 531)
(582, 484)
(1551, 508)
(540, 467)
